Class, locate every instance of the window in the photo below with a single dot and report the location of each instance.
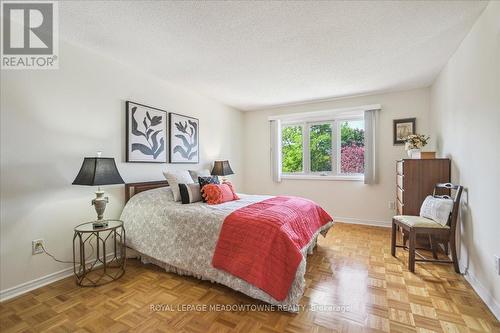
(323, 148)
(326, 144)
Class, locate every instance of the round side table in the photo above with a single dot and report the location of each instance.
(102, 266)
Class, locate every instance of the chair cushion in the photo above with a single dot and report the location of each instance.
(418, 221)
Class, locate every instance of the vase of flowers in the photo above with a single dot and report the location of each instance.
(414, 143)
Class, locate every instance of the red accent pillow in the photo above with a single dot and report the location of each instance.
(215, 194)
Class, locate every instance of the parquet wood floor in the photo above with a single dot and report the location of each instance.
(351, 267)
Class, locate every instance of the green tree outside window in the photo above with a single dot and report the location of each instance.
(291, 149)
(320, 147)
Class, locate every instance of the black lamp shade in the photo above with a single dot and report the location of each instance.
(96, 171)
(222, 168)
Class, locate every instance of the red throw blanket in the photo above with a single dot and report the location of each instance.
(261, 243)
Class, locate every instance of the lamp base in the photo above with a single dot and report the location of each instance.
(99, 203)
(100, 224)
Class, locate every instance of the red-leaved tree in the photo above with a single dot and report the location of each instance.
(352, 159)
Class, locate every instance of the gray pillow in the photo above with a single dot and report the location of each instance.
(199, 173)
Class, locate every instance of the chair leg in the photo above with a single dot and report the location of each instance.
(411, 252)
(393, 239)
(433, 245)
(454, 258)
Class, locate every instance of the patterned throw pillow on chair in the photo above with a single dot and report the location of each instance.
(436, 209)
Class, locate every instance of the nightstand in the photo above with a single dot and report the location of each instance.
(106, 261)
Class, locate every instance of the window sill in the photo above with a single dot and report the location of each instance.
(318, 177)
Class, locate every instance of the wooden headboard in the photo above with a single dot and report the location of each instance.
(133, 188)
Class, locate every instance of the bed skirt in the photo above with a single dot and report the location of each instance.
(291, 303)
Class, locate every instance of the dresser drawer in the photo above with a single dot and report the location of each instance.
(399, 167)
(400, 207)
(399, 192)
(399, 181)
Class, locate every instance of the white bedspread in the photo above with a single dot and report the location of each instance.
(182, 238)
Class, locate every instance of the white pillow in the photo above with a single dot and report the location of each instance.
(190, 193)
(199, 173)
(168, 193)
(436, 209)
(174, 178)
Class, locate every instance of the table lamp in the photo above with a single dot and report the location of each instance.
(97, 171)
(222, 168)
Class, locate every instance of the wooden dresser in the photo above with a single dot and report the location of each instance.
(415, 180)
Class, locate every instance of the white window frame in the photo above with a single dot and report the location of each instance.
(306, 173)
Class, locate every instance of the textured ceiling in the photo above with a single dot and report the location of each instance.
(253, 55)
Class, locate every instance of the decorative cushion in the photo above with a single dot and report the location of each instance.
(175, 178)
(207, 180)
(436, 209)
(215, 194)
(169, 196)
(190, 193)
(418, 221)
(199, 173)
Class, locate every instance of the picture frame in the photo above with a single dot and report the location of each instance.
(146, 133)
(402, 128)
(184, 143)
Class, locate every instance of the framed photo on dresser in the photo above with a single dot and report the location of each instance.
(146, 136)
(184, 139)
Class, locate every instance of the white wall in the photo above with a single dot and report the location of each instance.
(465, 109)
(51, 119)
(344, 200)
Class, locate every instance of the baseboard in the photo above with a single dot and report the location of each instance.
(483, 292)
(34, 284)
(375, 223)
(39, 282)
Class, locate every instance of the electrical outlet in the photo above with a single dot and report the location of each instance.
(37, 246)
(497, 264)
(392, 205)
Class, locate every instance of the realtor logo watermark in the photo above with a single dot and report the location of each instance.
(30, 35)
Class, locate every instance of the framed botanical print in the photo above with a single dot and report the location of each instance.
(146, 135)
(184, 139)
(402, 128)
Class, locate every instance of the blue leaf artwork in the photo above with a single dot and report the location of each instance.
(146, 135)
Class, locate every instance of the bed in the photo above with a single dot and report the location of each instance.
(182, 238)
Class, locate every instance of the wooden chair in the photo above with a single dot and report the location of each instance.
(413, 225)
